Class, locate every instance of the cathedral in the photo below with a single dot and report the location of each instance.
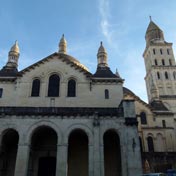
(59, 119)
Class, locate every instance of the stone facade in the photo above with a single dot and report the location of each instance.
(57, 118)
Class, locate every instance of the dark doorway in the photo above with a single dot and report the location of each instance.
(78, 154)
(112, 154)
(47, 166)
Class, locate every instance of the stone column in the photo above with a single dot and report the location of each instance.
(102, 159)
(97, 150)
(22, 159)
(91, 157)
(61, 164)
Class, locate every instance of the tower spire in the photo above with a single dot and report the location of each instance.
(150, 18)
(102, 56)
(63, 45)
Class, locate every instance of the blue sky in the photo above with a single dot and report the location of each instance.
(39, 24)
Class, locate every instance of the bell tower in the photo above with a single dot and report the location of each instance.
(160, 66)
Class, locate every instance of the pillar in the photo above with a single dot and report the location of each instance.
(91, 157)
(97, 149)
(22, 158)
(61, 164)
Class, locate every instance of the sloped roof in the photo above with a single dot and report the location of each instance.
(64, 58)
(152, 26)
(104, 72)
(156, 106)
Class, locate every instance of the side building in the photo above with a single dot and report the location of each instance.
(57, 118)
(157, 119)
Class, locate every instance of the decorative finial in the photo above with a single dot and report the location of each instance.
(150, 18)
(63, 45)
(102, 56)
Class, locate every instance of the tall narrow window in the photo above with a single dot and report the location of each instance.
(163, 62)
(158, 75)
(143, 118)
(53, 86)
(71, 91)
(164, 123)
(154, 51)
(170, 62)
(106, 94)
(35, 88)
(174, 75)
(1, 91)
(168, 52)
(161, 51)
(150, 144)
(166, 75)
(156, 63)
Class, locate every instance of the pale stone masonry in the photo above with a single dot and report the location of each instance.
(57, 118)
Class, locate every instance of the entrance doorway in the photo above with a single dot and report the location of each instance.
(47, 166)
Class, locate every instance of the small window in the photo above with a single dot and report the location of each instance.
(156, 63)
(143, 118)
(35, 88)
(161, 51)
(150, 144)
(158, 75)
(164, 123)
(154, 51)
(163, 62)
(166, 75)
(168, 52)
(71, 91)
(106, 94)
(174, 75)
(170, 62)
(1, 91)
(53, 86)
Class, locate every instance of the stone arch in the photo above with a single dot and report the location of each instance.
(4, 129)
(8, 151)
(113, 128)
(30, 131)
(82, 127)
(43, 150)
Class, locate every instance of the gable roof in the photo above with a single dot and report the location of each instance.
(64, 58)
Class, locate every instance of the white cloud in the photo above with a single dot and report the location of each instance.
(105, 26)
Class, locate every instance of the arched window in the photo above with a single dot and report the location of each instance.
(71, 91)
(174, 75)
(163, 62)
(35, 88)
(170, 62)
(106, 94)
(154, 51)
(164, 123)
(168, 52)
(53, 86)
(143, 118)
(161, 51)
(158, 75)
(150, 144)
(166, 75)
(156, 63)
